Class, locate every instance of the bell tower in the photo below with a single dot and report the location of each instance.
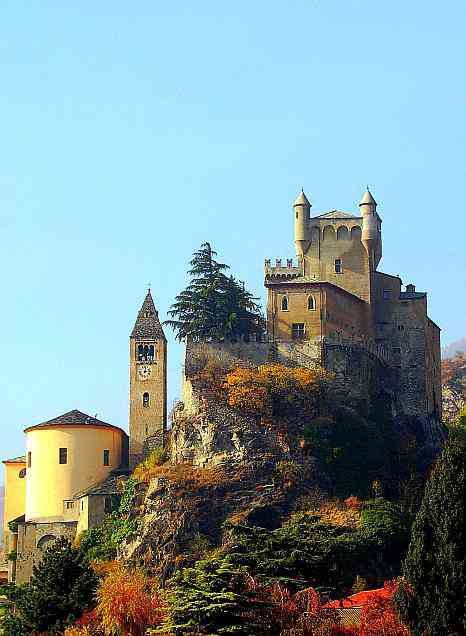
(148, 383)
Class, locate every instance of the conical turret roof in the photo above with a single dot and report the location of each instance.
(367, 199)
(147, 323)
(302, 199)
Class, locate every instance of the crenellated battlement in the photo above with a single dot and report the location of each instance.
(280, 270)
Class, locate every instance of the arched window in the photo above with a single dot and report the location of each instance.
(311, 303)
(285, 303)
(146, 400)
(356, 233)
(151, 352)
(329, 233)
(140, 352)
(45, 541)
(342, 233)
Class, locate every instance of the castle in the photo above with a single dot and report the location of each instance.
(331, 308)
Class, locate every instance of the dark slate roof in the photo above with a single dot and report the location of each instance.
(72, 418)
(109, 486)
(16, 460)
(147, 323)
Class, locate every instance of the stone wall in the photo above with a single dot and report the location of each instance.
(359, 365)
(33, 538)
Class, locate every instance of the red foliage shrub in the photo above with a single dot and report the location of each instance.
(344, 631)
(378, 616)
(353, 502)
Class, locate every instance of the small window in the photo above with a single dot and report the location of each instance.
(297, 330)
(311, 303)
(108, 507)
(285, 303)
(146, 400)
(106, 457)
(63, 456)
(82, 504)
(338, 266)
(386, 294)
(69, 505)
(22, 473)
(29, 459)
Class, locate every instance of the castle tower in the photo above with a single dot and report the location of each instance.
(371, 234)
(302, 209)
(148, 383)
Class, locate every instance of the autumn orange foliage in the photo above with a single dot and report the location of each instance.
(274, 389)
(128, 602)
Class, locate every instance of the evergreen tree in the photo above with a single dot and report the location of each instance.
(213, 305)
(62, 586)
(432, 598)
(213, 597)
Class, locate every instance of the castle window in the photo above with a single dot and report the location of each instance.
(338, 266)
(29, 459)
(22, 473)
(140, 353)
(69, 505)
(311, 303)
(146, 400)
(297, 330)
(63, 456)
(106, 457)
(285, 303)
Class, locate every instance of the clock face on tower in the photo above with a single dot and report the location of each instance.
(144, 372)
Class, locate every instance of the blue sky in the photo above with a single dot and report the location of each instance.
(132, 132)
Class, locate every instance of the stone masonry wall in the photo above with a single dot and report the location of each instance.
(33, 538)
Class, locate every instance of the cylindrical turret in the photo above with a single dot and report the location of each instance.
(302, 209)
(371, 228)
(65, 457)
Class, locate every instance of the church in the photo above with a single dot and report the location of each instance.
(327, 306)
(69, 478)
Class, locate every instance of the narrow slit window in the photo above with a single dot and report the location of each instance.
(106, 457)
(29, 459)
(63, 456)
(311, 303)
(338, 266)
(285, 303)
(108, 505)
(146, 400)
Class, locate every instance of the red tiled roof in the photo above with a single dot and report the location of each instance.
(360, 599)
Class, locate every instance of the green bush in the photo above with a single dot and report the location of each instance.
(102, 543)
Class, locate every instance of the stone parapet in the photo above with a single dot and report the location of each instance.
(280, 270)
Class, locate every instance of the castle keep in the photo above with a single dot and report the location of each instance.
(329, 306)
(334, 302)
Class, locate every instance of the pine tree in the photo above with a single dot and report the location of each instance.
(213, 305)
(432, 598)
(213, 597)
(62, 586)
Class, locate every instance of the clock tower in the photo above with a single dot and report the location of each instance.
(148, 383)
